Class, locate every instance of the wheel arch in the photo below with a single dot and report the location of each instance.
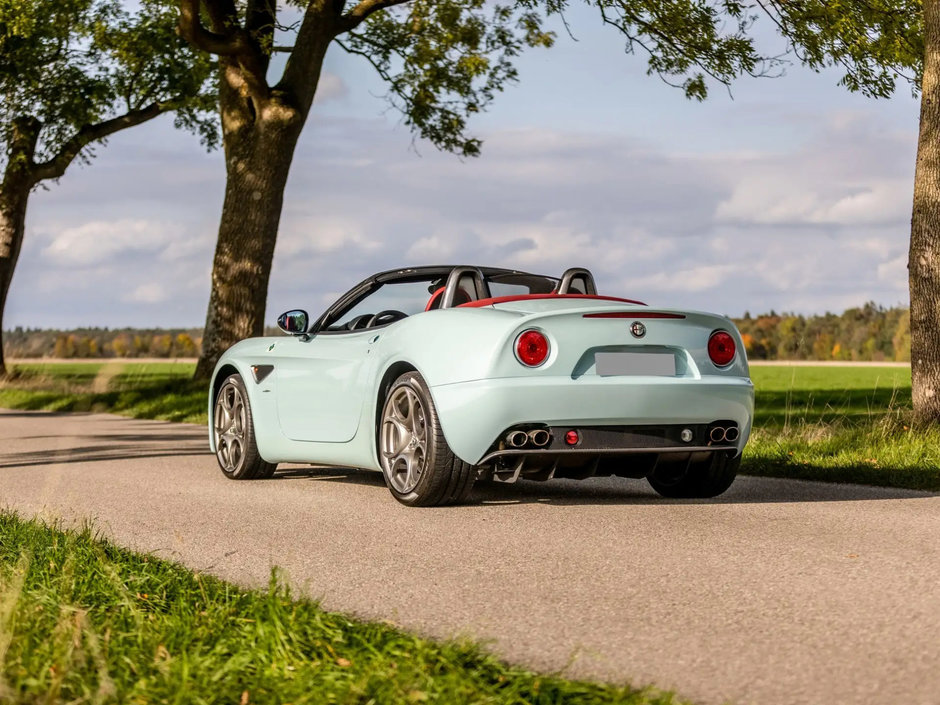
(392, 372)
(221, 374)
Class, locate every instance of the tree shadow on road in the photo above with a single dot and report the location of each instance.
(180, 441)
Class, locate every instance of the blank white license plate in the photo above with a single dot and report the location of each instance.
(609, 364)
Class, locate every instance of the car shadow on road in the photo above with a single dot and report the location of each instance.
(615, 490)
(745, 490)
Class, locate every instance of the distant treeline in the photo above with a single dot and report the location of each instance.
(871, 332)
(102, 342)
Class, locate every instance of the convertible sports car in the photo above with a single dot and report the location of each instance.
(439, 376)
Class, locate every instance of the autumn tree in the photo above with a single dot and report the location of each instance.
(73, 73)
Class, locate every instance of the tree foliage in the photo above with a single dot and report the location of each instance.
(870, 332)
(430, 53)
(74, 72)
(873, 42)
(74, 66)
(445, 61)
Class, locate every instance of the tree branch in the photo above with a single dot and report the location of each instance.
(360, 12)
(302, 71)
(56, 166)
(260, 16)
(21, 149)
(229, 40)
(191, 29)
(260, 24)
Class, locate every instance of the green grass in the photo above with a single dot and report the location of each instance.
(840, 424)
(159, 390)
(82, 621)
(801, 395)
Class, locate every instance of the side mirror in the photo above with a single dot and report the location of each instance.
(293, 322)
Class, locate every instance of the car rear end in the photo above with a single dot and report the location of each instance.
(581, 387)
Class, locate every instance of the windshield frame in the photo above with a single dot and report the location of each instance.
(369, 286)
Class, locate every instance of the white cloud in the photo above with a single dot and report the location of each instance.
(329, 233)
(331, 87)
(99, 241)
(436, 248)
(771, 199)
(693, 279)
(152, 293)
(849, 173)
(894, 271)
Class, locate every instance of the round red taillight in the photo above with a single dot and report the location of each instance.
(572, 438)
(531, 348)
(721, 348)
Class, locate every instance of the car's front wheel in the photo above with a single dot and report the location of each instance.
(419, 467)
(708, 478)
(233, 425)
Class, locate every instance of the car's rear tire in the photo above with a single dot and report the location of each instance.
(703, 479)
(420, 468)
(234, 429)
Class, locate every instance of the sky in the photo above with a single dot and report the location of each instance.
(789, 194)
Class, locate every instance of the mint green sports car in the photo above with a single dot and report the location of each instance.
(439, 376)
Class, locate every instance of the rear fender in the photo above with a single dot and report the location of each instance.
(449, 345)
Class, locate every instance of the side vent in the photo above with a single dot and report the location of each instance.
(261, 372)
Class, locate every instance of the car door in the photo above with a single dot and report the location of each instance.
(320, 385)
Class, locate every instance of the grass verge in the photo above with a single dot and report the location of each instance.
(840, 424)
(161, 390)
(83, 621)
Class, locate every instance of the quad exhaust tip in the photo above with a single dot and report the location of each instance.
(720, 433)
(517, 439)
(539, 437)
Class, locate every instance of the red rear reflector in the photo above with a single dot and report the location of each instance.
(634, 315)
(721, 348)
(572, 438)
(531, 348)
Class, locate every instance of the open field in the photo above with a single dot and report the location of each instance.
(840, 424)
(82, 620)
(831, 423)
(145, 390)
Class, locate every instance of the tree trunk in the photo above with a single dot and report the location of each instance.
(924, 258)
(259, 132)
(13, 200)
(258, 163)
(18, 181)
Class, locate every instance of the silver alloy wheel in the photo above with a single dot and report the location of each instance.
(230, 427)
(404, 440)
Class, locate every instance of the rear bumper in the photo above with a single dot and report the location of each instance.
(474, 414)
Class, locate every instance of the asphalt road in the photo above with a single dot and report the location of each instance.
(777, 593)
